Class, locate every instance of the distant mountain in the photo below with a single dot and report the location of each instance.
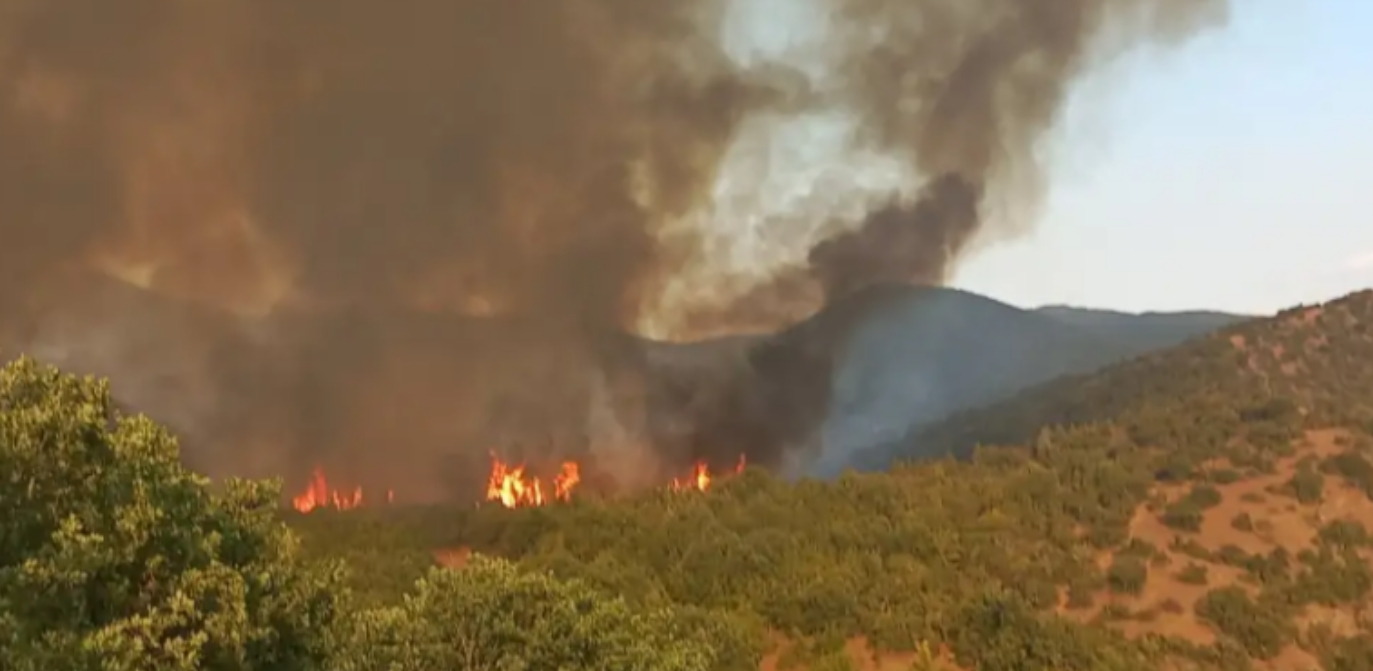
(1146, 330)
(1312, 356)
(270, 396)
(912, 355)
(1203, 507)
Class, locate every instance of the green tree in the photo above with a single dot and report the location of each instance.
(1261, 631)
(1307, 485)
(1127, 575)
(114, 557)
(492, 616)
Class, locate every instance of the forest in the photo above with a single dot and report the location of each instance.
(1203, 507)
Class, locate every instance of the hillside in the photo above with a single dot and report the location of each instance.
(324, 387)
(1305, 355)
(1205, 507)
(1143, 331)
(906, 356)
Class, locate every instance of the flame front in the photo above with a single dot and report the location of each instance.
(512, 489)
(318, 494)
(699, 480)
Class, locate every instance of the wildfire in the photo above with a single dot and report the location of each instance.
(512, 488)
(699, 480)
(700, 477)
(318, 494)
(508, 485)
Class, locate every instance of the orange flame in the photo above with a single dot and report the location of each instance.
(512, 489)
(318, 494)
(507, 485)
(699, 480)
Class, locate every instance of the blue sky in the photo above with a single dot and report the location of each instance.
(1231, 173)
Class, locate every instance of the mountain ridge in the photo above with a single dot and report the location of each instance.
(1077, 399)
(1203, 507)
(859, 372)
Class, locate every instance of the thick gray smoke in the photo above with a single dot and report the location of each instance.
(389, 237)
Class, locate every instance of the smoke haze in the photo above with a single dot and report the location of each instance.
(393, 236)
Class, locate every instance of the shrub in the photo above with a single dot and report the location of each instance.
(1260, 631)
(1307, 485)
(1192, 574)
(1183, 516)
(1353, 467)
(113, 556)
(1344, 534)
(1127, 574)
(491, 615)
(1204, 496)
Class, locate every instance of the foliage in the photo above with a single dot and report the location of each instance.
(970, 555)
(999, 632)
(1259, 630)
(1307, 485)
(1193, 574)
(1353, 467)
(1344, 534)
(908, 556)
(113, 556)
(1127, 574)
(490, 616)
(1349, 654)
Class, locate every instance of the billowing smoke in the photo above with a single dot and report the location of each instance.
(389, 237)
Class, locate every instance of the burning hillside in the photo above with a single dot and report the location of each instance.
(319, 494)
(512, 486)
(442, 225)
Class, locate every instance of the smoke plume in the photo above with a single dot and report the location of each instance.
(393, 236)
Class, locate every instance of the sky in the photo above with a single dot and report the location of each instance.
(1231, 173)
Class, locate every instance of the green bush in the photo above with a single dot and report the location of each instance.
(1183, 516)
(491, 615)
(1127, 574)
(1353, 467)
(1344, 534)
(1307, 485)
(1204, 496)
(1261, 632)
(1193, 574)
(113, 556)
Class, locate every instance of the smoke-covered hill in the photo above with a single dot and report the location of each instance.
(280, 394)
(1296, 354)
(905, 356)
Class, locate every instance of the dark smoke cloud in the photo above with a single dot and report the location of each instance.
(390, 236)
(960, 94)
(451, 154)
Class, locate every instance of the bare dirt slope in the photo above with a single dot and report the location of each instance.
(1258, 514)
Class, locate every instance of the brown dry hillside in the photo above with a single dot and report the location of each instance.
(1207, 507)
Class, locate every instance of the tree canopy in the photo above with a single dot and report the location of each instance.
(115, 557)
(1081, 523)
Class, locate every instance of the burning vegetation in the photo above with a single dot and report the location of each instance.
(513, 488)
(296, 231)
(319, 494)
(509, 485)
